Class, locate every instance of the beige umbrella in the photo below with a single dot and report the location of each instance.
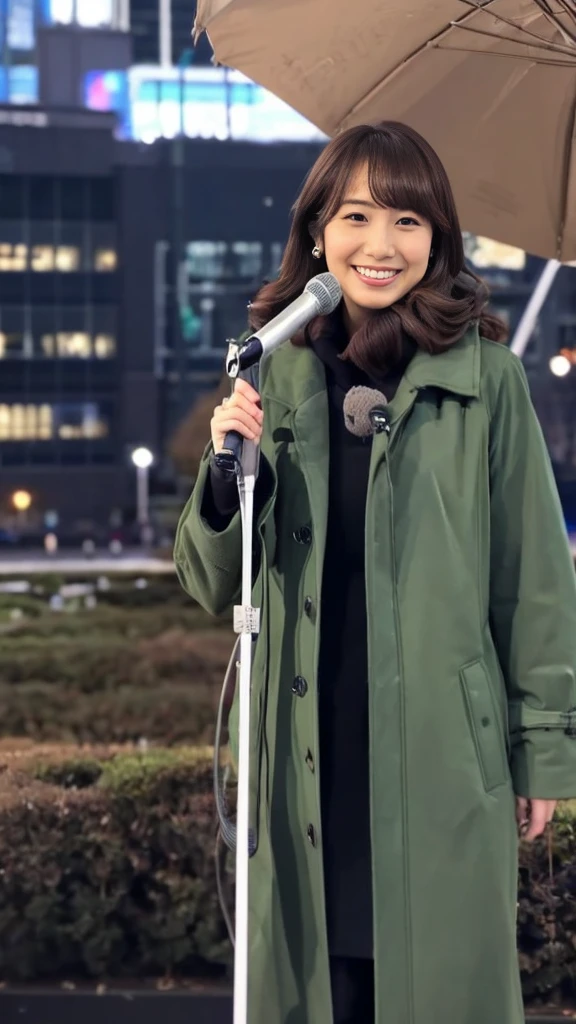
(490, 83)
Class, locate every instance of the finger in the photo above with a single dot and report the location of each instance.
(229, 412)
(242, 387)
(240, 421)
(538, 821)
(521, 809)
(240, 401)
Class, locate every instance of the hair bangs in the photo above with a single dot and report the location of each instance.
(400, 180)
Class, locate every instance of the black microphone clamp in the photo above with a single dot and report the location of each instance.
(380, 419)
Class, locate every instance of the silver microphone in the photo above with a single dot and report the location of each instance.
(320, 297)
(365, 412)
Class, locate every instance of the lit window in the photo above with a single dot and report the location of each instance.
(105, 260)
(80, 422)
(45, 422)
(11, 345)
(42, 258)
(70, 422)
(25, 422)
(48, 345)
(18, 423)
(13, 257)
(104, 346)
(486, 252)
(248, 258)
(67, 258)
(206, 259)
(73, 345)
(4, 422)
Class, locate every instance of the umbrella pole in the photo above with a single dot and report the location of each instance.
(247, 623)
(530, 314)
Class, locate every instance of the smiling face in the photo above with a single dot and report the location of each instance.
(378, 254)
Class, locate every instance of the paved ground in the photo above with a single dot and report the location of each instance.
(131, 561)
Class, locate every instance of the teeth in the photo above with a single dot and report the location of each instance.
(379, 274)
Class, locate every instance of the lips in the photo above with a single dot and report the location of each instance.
(378, 282)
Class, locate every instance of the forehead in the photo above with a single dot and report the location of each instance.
(358, 184)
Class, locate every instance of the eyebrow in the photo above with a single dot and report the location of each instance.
(358, 202)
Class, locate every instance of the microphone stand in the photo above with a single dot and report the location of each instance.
(241, 457)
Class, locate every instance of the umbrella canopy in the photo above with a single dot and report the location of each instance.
(491, 84)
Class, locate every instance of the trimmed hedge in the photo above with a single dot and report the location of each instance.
(114, 675)
(108, 871)
(113, 876)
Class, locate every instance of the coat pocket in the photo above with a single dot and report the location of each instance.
(485, 725)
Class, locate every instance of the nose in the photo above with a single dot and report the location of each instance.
(380, 245)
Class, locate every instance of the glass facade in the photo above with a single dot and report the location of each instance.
(199, 102)
(58, 319)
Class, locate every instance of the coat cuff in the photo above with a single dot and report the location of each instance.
(543, 752)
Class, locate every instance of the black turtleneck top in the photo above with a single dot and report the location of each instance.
(343, 664)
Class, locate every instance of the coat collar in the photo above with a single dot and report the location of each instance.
(457, 369)
(299, 374)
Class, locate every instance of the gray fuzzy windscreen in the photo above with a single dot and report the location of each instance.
(358, 404)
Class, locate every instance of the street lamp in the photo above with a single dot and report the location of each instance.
(142, 459)
(560, 365)
(21, 500)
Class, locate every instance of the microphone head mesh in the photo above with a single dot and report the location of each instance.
(326, 291)
(358, 405)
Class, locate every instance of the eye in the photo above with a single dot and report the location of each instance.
(360, 217)
(409, 221)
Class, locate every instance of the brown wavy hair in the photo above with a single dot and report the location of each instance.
(404, 173)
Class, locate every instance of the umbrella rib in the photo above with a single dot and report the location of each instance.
(570, 11)
(542, 44)
(566, 177)
(430, 43)
(554, 19)
(540, 62)
(510, 23)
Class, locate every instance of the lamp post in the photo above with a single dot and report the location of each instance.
(142, 459)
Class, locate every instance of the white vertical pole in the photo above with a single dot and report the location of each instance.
(123, 15)
(165, 32)
(142, 495)
(530, 314)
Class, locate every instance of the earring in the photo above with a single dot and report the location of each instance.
(431, 256)
(317, 252)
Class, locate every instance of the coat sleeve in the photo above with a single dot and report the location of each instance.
(532, 596)
(208, 561)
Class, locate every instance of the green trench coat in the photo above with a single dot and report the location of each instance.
(471, 598)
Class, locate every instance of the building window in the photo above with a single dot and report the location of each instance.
(26, 422)
(80, 421)
(208, 260)
(12, 345)
(104, 346)
(67, 421)
(105, 260)
(42, 258)
(13, 257)
(78, 345)
(63, 258)
(67, 259)
(247, 258)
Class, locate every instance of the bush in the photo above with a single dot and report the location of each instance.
(114, 685)
(100, 662)
(114, 878)
(172, 714)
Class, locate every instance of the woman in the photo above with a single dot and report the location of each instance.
(414, 674)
